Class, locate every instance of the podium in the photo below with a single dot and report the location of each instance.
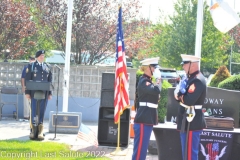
(38, 85)
(39, 89)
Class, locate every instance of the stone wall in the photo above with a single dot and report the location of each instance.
(84, 81)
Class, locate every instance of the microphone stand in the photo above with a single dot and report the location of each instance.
(56, 104)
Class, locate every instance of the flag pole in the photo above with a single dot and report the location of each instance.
(119, 83)
(118, 141)
(199, 28)
(231, 46)
(118, 151)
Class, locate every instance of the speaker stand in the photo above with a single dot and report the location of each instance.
(54, 138)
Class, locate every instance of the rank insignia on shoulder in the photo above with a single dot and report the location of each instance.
(27, 70)
(191, 88)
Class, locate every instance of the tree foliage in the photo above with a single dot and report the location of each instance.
(235, 32)
(178, 37)
(139, 43)
(162, 104)
(235, 49)
(93, 28)
(15, 26)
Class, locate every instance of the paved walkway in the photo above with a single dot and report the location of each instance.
(19, 130)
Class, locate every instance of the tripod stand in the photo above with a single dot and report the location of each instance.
(54, 138)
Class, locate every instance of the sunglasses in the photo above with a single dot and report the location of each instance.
(185, 62)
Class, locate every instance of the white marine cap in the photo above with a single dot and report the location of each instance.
(150, 61)
(189, 58)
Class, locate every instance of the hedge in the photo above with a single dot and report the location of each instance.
(231, 83)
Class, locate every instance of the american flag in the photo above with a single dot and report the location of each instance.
(121, 97)
(213, 150)
(86, 134)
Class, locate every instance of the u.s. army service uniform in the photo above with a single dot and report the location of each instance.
(38, 72)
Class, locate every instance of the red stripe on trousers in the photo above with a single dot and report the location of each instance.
(189, 147)
(140, 142)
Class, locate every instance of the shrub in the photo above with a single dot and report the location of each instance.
(162, 104)
(231, 83)
(139, 73)
(221, 74)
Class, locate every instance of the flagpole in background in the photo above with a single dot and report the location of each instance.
(67, 57)
(231, 46)
(199, 28)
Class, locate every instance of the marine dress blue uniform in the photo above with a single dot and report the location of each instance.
(146, 117)
(195, 95)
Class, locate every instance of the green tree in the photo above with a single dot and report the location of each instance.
(15, 26)
(235, 63)
(178, 37)
(42, 38)
(93, 27)
(235, 48)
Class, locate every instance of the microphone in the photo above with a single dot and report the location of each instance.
(57, 66)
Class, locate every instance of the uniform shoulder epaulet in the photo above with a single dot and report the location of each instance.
(199, 75)
(28, 67)
(49, 65)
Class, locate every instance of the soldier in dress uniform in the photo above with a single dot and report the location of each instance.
(147, 113)
(26, 102)
(190, 119)
(38, 71)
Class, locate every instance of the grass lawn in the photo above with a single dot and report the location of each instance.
(13, 149)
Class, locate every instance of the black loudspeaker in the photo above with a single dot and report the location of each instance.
(108, 80)
(107, 91)
(107, 98)
(108, 130)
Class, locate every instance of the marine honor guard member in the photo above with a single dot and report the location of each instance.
(146, 114)
(38, 71)
(191, 93)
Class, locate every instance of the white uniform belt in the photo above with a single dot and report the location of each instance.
(198, 106)
(195, 106)
(151, 105)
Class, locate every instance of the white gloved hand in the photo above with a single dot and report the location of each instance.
(157, 74)
(176, 90)
(158, 83)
